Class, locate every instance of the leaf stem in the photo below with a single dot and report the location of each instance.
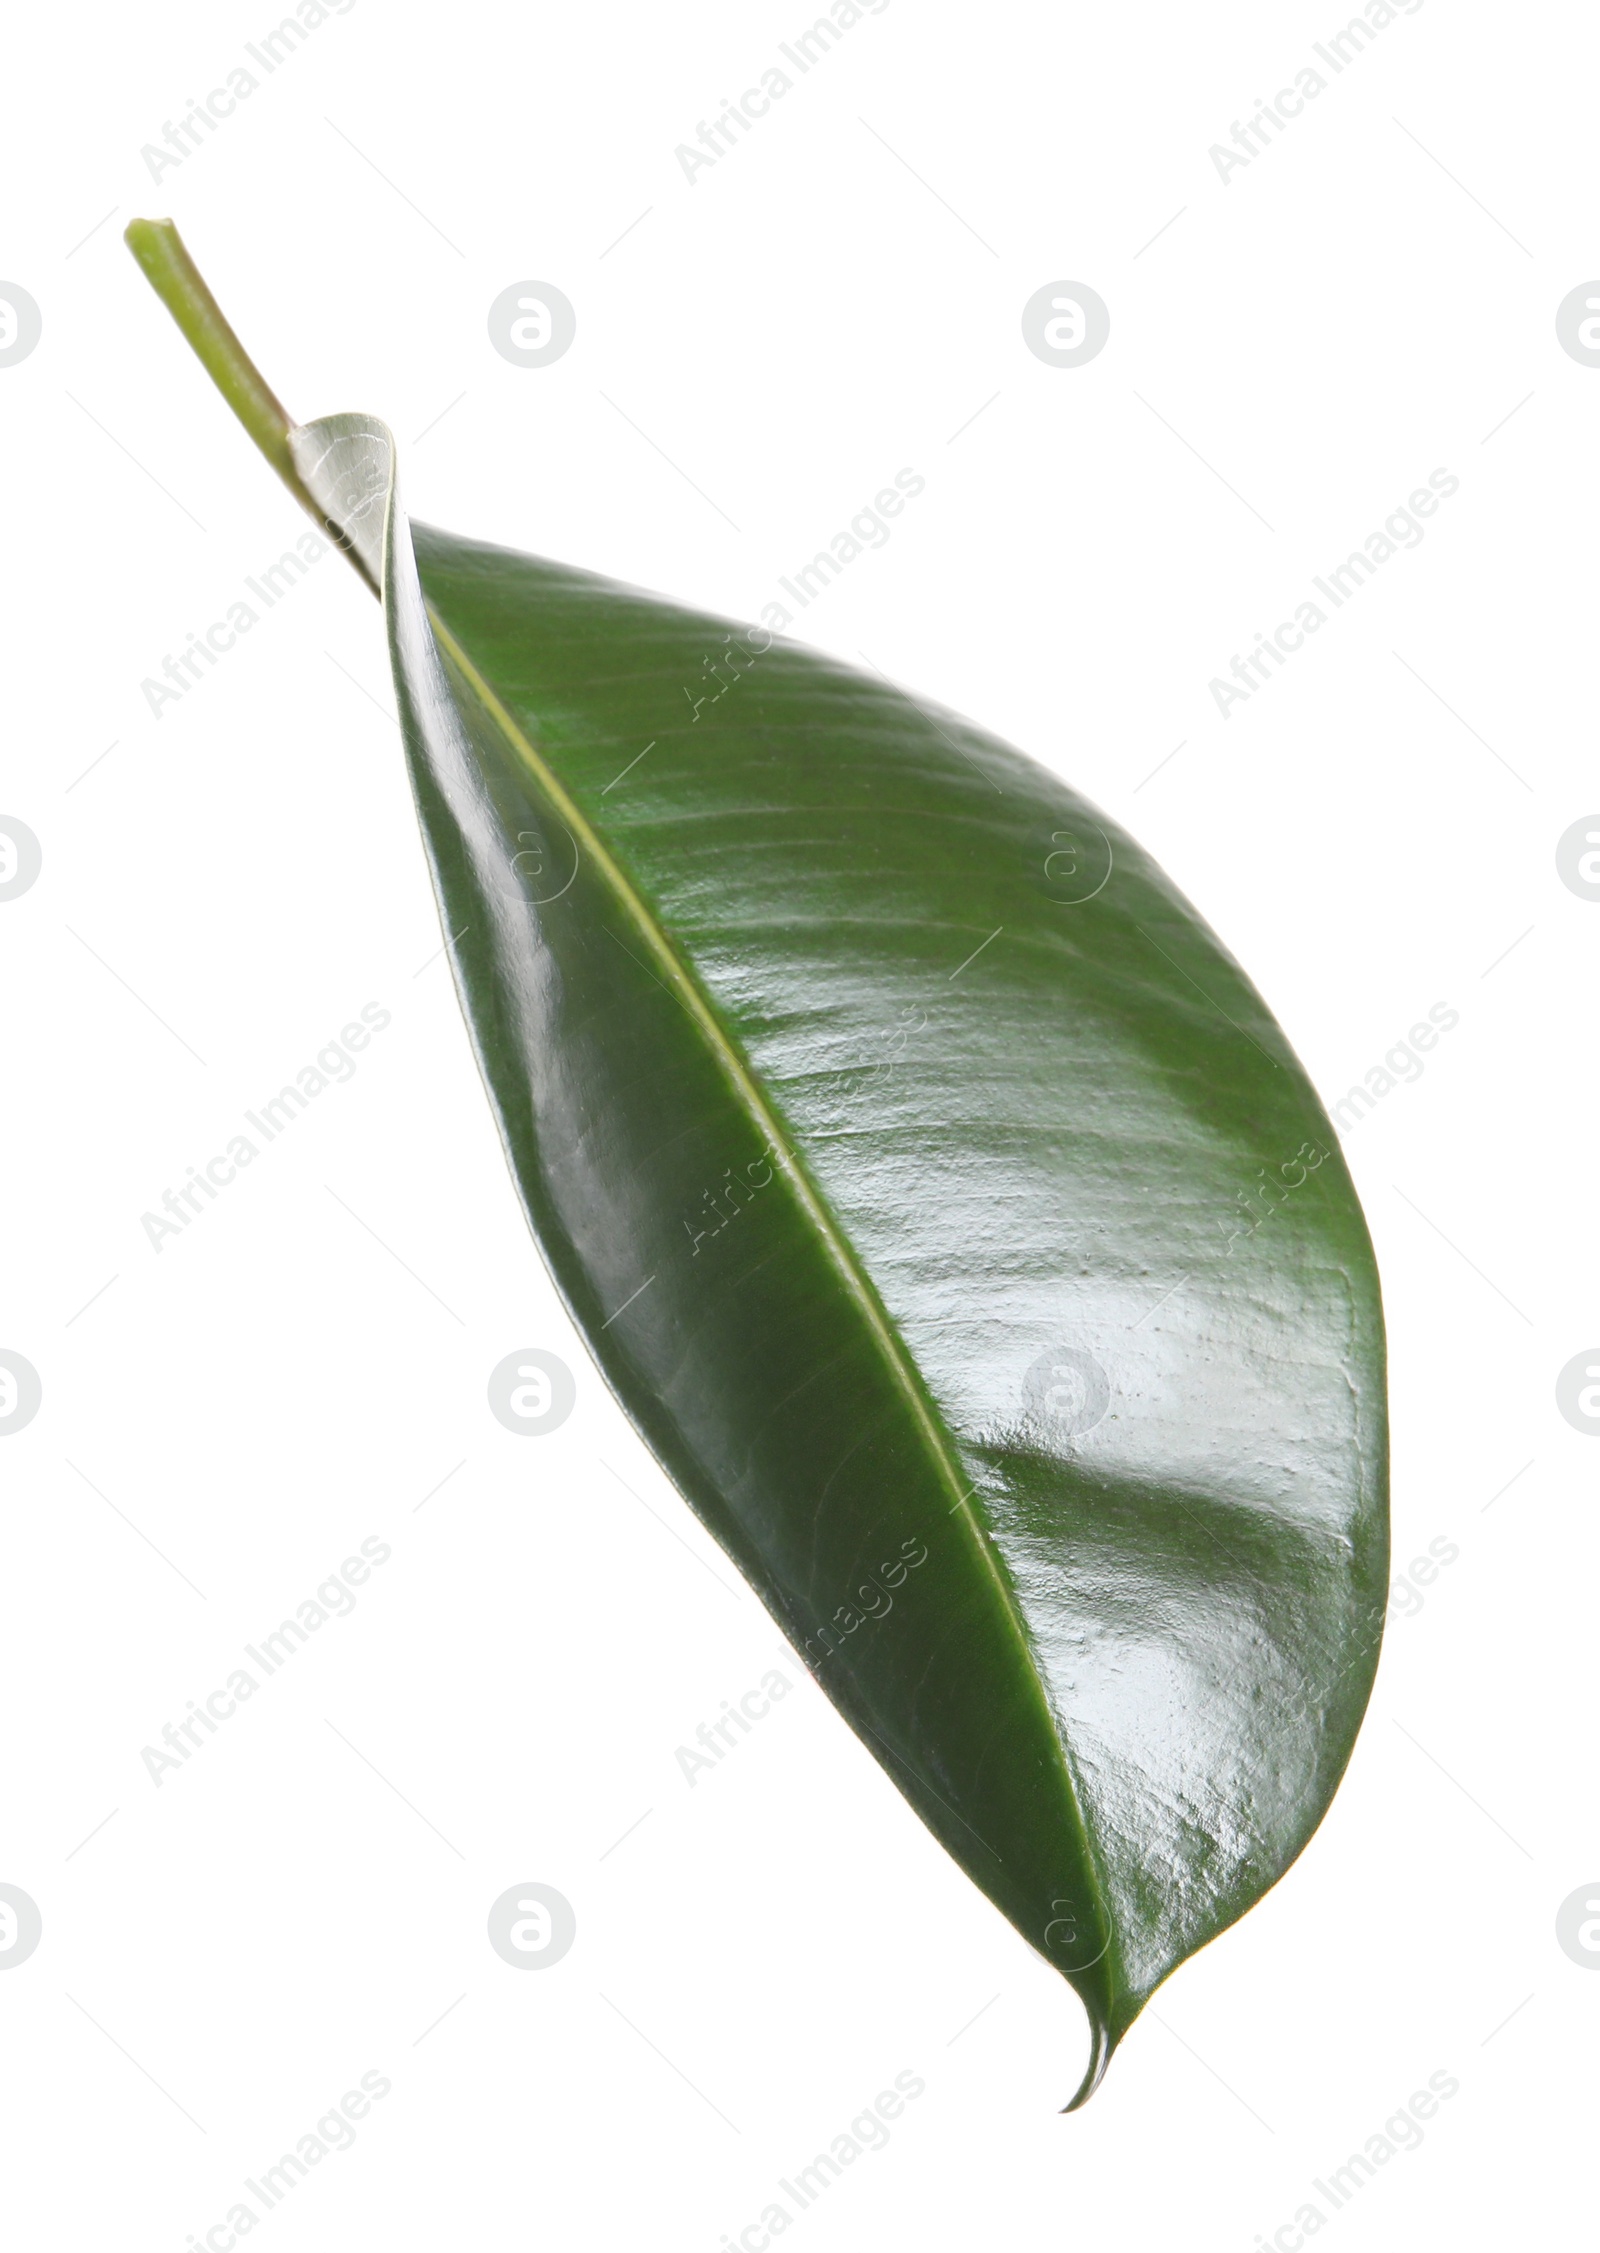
(182, 289)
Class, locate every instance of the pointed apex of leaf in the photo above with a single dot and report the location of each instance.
(1101, 2048)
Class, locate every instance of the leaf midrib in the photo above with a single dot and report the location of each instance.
(741, 1080)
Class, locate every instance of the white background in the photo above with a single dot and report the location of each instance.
(1366, 302)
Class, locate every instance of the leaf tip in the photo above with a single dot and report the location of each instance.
(1101, 2046)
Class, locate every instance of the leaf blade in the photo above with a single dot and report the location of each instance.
(1212, 1578)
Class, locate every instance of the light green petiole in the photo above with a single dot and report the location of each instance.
(178, 282)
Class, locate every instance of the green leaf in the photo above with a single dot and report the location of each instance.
(941, 1202)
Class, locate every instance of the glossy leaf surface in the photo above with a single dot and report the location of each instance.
(939, 1199)
(944, 1207)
